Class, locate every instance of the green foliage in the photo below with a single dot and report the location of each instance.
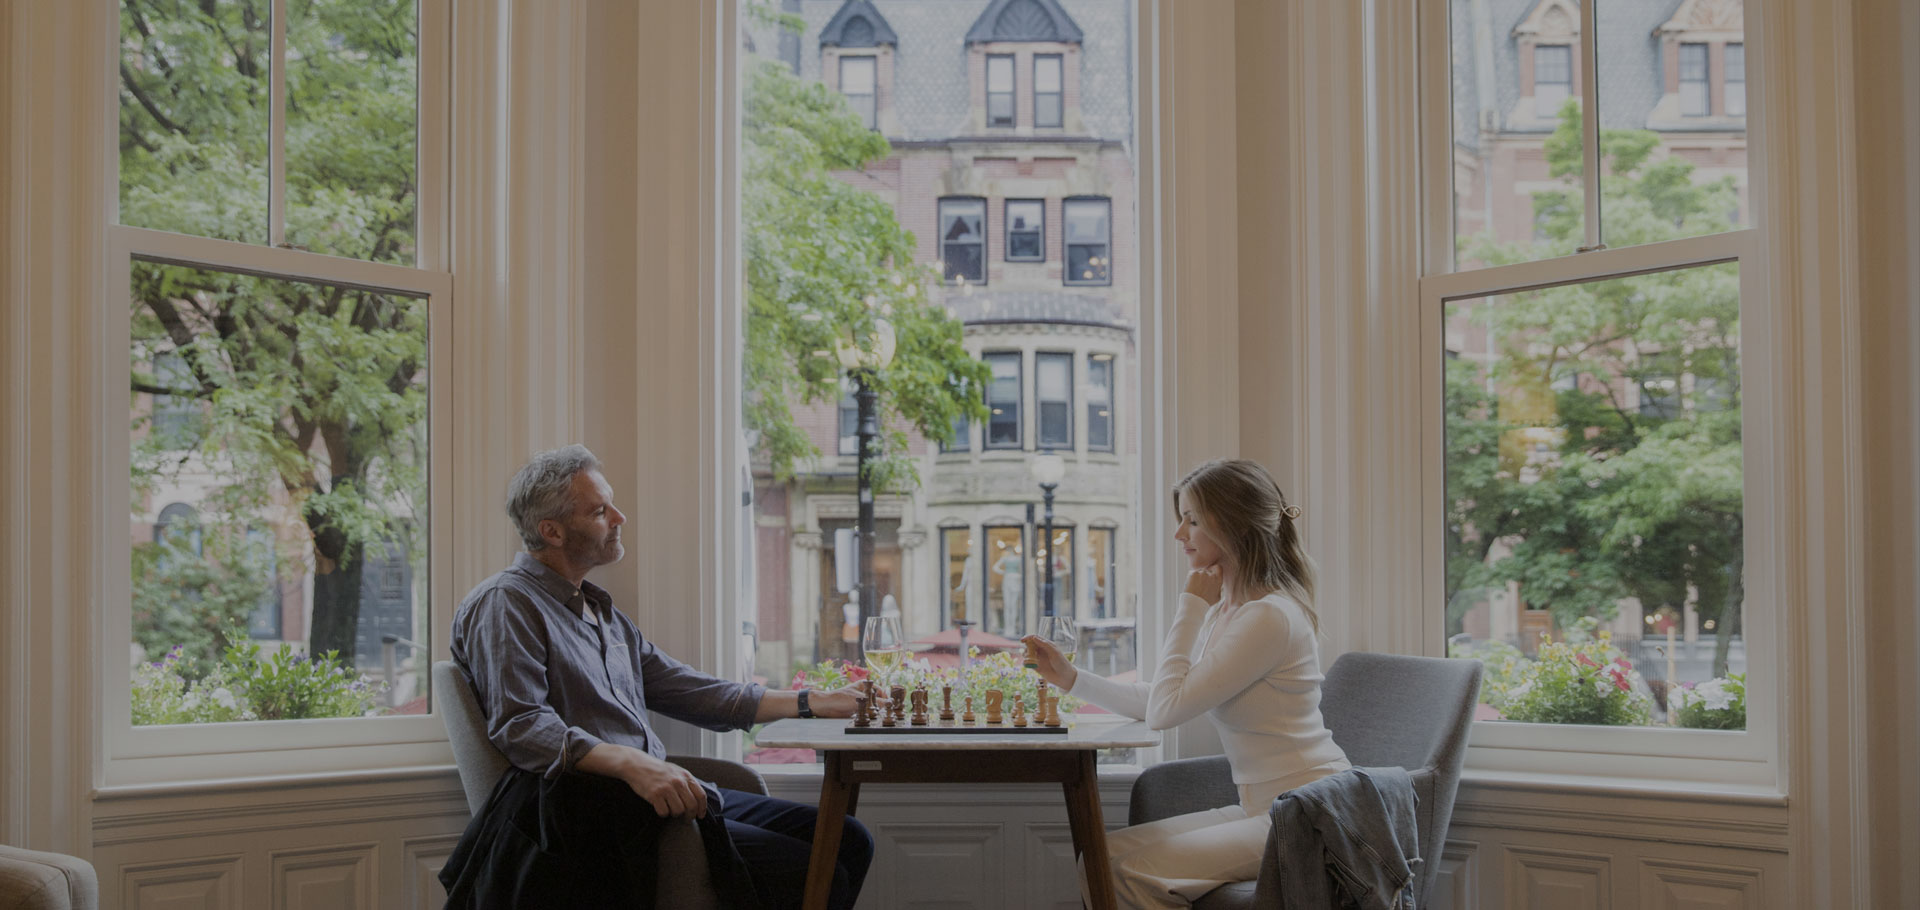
(1588, 682)
(244, 685)
(1504, 667)
(826, 262)
(1717, 704)
(1625, 500)
(307, 397)
(187, 604)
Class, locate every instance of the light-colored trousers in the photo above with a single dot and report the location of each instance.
(1170, 863)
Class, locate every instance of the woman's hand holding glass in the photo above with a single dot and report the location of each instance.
(884, 649)
(1050, 652)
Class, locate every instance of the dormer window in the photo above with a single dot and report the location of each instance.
(1694, 99)
(1000, 90)
(857, 82)
(1552, 78)
(1048, 105)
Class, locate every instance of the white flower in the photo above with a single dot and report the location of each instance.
(224, 698)
(1680, 697)
(1520, 690)
(1714, 693)
(1602, 686)
(191, 701)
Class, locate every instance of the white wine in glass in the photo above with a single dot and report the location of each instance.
(1058, 631)
(881, 643)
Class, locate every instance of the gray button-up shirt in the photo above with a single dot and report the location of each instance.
(554, 684)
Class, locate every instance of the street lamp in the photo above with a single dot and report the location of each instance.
(1048, 469)
(861, 362)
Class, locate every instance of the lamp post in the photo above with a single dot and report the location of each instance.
(861, 363)
(1048, 469)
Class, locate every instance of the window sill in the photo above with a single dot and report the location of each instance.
(1646, 788)
(206, 786)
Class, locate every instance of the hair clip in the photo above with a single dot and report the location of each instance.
(1292, 513)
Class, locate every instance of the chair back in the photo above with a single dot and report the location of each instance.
(479, 762)
(1391, 710)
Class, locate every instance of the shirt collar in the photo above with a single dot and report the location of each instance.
(562, 590)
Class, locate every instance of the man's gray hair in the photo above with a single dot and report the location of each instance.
(543, 489)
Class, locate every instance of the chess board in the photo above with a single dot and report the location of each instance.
(954, 726)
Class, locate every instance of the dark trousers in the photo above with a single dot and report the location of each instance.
(775, 838)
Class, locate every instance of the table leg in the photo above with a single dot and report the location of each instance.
(836, 801)
(1090, 831)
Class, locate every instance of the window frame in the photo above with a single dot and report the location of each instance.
(1059, 96)
(131, 755)
(1704, 83)
(939, 231)
(946, 563)
(1111, 363)
(840, 409)
(1012, 93)
(1748, 759)
(1040, 440)
(1018, 358)
(1727, 94)
(1007, 232)
(1570, 82)
(1067, 245)
(872, 118)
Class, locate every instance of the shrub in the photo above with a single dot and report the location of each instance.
(1001, 670)
(1717, 704)
(1586, 683)
(1504, 666)
(244, 685)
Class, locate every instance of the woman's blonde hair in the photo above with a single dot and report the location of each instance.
(1246, 512)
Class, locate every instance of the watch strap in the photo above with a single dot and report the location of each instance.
(806, 710)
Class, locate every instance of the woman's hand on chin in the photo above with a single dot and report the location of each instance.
(1205, 584)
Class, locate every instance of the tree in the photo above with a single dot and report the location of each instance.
(304, 397)
(1640, 500)
(825, 262)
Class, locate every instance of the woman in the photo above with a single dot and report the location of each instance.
(1243, 651)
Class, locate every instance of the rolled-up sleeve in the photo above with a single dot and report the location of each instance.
(505, 653)
(684, 693)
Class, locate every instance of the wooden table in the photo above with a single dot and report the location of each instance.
(958, 758)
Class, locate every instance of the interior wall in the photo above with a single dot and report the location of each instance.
(1887, 93)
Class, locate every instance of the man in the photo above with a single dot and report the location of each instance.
(566, 682)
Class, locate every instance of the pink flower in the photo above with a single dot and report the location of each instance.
(1585, 660)
(1620, 680)
(856, 674)
(1623, 663)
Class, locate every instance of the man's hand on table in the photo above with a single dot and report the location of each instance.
(841, 702)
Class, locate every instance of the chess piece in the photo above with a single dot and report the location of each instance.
(967, 718)
(1040, 703)
(1053, 711)
(920, 707)
(863, 712)
(1019, 711)
(994, 698)
(946, 703)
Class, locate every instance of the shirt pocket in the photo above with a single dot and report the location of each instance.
(620, 676)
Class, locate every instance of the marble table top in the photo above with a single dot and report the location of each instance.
(1108, 732)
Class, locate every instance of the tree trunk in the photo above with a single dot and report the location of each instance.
(336, 603)
(1729, 623)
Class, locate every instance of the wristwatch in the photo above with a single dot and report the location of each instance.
(805, 709)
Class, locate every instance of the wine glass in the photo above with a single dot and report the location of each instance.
(885, 650)
(1059, 632)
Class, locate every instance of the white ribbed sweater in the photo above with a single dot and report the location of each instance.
(1259, 682)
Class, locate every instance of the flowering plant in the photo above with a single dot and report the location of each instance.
(1588, 682)
(1504, 666)
(1000, 670)
(1717, 704)
(243, 685)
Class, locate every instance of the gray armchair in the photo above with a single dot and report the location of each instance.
(31, 880)
(683, 861)
(1385, 710)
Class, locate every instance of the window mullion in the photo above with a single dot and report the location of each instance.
(277, 128)
(1590, 120)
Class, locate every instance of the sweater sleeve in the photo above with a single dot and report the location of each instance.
(1124, 699)
(1183, 689)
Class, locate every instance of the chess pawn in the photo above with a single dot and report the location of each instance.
(919, 707)
(994, 698)
(967, 718)
(1019, 711)
(946, 703)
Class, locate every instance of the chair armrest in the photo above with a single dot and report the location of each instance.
(1178, 787)
(727, 775)
(34, 879)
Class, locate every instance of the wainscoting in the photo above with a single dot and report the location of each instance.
(364, 844)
